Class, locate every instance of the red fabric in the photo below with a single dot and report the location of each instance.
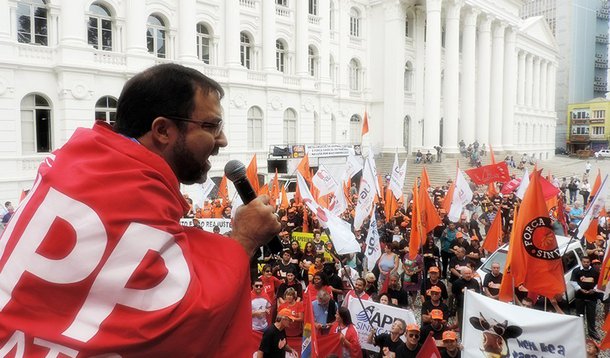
(351, 336)
(270, 286)
(510, 186)
(296, 327)
(304, 169)
(365, 124)
(97, 204)
(489, 173)
(429, 349)
(548, 190)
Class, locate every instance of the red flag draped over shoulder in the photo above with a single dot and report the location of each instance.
(252, 174)
(536, 260)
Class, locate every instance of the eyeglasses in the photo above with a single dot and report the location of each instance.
(214, 128)
(258, 286)
(414, 335)
(267, 271)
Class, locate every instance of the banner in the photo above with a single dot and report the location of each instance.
(366, 194)
(328, 150)
(489, 173)
(373, 247)
(208, 224)
(496, 329)
(382, 316)
(462, 195)
(324, 181)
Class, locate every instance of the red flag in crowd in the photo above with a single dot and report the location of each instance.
(309, 348)
(252, 174)
(429, 349)
(489, 173)
(24, 193)
(536, 260)
(494, 235)
(284, 203)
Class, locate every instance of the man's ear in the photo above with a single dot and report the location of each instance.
(162, 131)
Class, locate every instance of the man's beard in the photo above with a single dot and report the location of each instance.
(188, 170)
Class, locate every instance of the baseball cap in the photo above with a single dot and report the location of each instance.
(433, 269)
(286, 312)
(474, 237)
(435, 289)
(449, 336)
(412, 327)
(459, 234)
(436, 314)
(596, 261)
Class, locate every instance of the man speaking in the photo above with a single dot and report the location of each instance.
(95, 262)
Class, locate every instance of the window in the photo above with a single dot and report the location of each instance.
(409, 22)
(35, 125)
(290, 126)
(408, 77)
(354, 22)
(280, 56)
(313, 7)
(255, 128)
(99, 27)
(331, 69)
(105, 109)
(355, 122)
(331, 17)
(599, 114)
(155, 36)
(282, 2)
(354, 75)
(312, 61)
(245, 50)
(598, 130)
(580, 114)
(32, 27)
(580, 130)
(203, 43)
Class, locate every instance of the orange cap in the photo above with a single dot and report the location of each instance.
(433, 269)
(286, 312)
(449, 336)
(436, 289)
(412, 327)
(459, 234)
(436, 314)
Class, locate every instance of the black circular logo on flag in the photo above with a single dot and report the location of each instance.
(539, 239)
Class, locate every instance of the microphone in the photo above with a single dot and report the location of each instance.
(236, 172)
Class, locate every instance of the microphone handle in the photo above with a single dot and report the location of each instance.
(247, 194)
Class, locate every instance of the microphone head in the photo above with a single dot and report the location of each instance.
(234, 169)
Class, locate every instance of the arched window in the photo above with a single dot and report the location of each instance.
(203, 43)
(355, 122)
(99, 27)
(245, 50)
(313, 7)
(332, 69)
(290, 126)
(312, 61)
(156, 36)
(32, 22)
(331, 16)
(105, 109)
(35, 125)
(354, 75)
(255, 128)
(408, 77)
(354, 22)
(280, 56)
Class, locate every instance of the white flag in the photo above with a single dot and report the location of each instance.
(373, 248)
(324, 181)
(462, 195)
(366, 195)
(341, 234)
(353, 166)
(397, 179)
(207, 187)
(338, 204)
(525, 182)
(236, 203)
(595, 208)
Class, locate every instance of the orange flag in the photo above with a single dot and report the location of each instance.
(275, 189)
(551, 206)
(284, 202)
(303, 168)
(491, 189)
(536, 259)
(494, 235)
(305, 219)
(252, 174)
(365, 124)
(264, 190)
(592, 231)
(416, 230)
(507, 286)
(223, 191)
(427, 212)
(448, 197)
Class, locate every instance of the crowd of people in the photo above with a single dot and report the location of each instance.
(433, 283)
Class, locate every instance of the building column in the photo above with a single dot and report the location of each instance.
(187, 27)
(417, 123)
(536, 83)
(232, 33)
(301, 53)
(529, 79)
(467, 90)
(452, 77)
(5, 20)
(432, 84)
(393, 85)
(551, 78)
(521, 79)
(268, 36)
(325, 42)
(72, 32)
(483, 84)
(136, 27)
(543, 85)
(510, 84)
(497, 89)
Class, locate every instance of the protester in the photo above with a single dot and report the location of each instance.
(274, 342)
(433, 304)
(450, 348)
(412, 345)
(349, 337)
(491, 283)
(324, 309)
(261, 307)
(388, 342)
(168, 124)
(584, 279)
(295, 329)
(436, 326)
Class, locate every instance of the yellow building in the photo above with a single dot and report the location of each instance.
(588, 127)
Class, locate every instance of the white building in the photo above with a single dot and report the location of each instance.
(428, 72)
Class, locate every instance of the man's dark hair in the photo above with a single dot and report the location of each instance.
(345, 316)
(163, 90)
